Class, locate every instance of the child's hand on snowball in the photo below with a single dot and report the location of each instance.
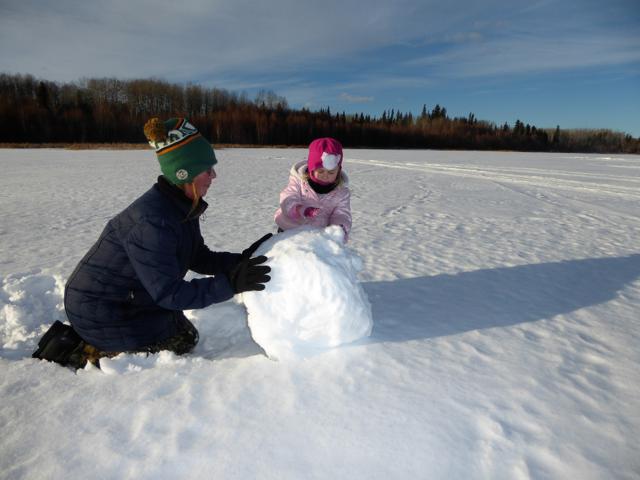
(311, 212)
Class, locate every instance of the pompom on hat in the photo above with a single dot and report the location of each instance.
(182, 151)
(324, 153)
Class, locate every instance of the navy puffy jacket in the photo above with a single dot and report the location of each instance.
(128, 290)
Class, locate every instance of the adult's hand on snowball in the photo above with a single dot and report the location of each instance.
(249, 274)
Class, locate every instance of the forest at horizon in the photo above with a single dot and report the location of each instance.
(109, 110)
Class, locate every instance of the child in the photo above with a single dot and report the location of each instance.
(318, 192)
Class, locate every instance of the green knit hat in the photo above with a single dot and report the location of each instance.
(182, 152)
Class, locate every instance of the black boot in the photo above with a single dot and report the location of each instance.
(61, 344)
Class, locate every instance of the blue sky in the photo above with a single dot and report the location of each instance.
(548, 62)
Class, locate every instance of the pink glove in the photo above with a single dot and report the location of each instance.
(311, 212)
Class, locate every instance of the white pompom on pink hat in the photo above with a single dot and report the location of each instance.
(324, 153)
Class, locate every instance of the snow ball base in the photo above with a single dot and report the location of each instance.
(313, 301)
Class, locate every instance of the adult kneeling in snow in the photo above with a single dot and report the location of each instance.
(128, 292)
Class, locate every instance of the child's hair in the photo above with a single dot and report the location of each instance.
(306, 176)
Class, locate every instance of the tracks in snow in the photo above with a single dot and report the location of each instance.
(593, 183)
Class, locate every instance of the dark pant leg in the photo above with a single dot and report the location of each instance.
(182, 342)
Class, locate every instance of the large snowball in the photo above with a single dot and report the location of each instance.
(313, 301)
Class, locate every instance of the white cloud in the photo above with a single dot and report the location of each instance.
(245, 44)
(532, 54)
(179, 40)
(355, 98)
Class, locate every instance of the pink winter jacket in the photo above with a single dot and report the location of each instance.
(335, 208)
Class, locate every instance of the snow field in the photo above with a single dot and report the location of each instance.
(504, 290)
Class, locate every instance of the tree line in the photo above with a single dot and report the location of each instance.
(109, 110)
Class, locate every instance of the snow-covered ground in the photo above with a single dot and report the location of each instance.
(505, 290)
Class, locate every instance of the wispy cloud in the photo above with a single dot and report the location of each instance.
(197, 38)
(73, 38)
(520, 54)
(355, 98)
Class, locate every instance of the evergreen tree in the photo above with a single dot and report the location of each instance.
(112, 110)
(42, 95)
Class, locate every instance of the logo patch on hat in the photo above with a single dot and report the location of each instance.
(182, 174)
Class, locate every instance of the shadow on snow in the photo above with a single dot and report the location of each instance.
(441, 305)
(427, 307)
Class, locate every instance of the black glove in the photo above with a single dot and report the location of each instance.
(248, 274)
(254, 246)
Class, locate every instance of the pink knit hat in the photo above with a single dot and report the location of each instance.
(324, 153)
